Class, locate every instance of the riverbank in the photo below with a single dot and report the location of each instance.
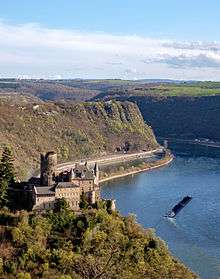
(145, 166)
(202, 142)
(195, 147)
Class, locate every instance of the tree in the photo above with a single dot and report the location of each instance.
(61, 205)
(3, 192)
(83, 201)
(7, 177)
(62, 216)
(6, 166)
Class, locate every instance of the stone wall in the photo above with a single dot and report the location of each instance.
(44, 202)
(85, 185)
(72, 196)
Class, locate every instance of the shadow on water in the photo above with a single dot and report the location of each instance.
(194, 236)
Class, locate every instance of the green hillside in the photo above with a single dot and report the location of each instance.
(96, 244)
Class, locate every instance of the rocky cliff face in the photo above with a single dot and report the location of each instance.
(72, 130)
(185, 117)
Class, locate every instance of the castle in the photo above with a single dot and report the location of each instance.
(70, 184)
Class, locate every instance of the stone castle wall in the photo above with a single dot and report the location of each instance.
(72, 196)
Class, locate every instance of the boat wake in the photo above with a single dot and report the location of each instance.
(172, 221)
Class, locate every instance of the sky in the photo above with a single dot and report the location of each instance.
(126, 39)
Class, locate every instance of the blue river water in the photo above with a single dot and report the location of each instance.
(194, 236)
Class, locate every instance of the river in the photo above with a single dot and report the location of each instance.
(194, 236)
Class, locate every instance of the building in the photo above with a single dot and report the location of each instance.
(70, 184)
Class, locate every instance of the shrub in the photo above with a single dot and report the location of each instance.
(23, 275)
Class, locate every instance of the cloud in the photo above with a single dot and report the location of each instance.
(199, 45)
(196, 61)
(36, 51)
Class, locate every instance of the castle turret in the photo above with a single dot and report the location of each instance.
(96, 173)
(48, 168)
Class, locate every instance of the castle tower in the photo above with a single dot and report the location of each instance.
(48, 168)
(96, 173)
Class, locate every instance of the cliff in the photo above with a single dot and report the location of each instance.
(181, 117)
(186, 110)
(74, 131)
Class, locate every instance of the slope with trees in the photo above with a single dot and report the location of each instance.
(94, 244)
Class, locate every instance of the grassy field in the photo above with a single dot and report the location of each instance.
(183, 89)
(198, 89)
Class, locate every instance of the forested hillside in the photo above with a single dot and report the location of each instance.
(72, 130)
(95, 244)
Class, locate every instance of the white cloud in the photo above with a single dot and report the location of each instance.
(36, 51)
(206, 60)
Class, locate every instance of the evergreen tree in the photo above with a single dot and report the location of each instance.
(7, 177)
(6, 166)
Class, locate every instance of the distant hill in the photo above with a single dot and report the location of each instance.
(77, 90)
(187, 109)
(46, 90)
(162, 81)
